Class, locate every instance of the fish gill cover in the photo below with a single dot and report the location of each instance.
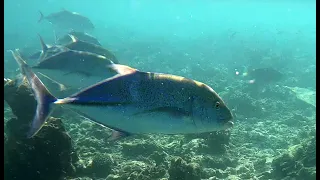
(258, 56)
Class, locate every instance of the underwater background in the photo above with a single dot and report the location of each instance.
(215, 42)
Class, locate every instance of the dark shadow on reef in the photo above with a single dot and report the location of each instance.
(48, 155)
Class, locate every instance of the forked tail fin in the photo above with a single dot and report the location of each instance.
(43, 97)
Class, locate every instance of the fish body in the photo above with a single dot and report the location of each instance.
(72, 69)
(75, 44)
(80, 45)
(75, 69)
(47, 51)
(51, 51)
(66, 39)
(137, 102)
(69, 21)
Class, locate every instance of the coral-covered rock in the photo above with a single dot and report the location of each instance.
(138, 170)
(298, 163)
(135, 147)
(48, 155)
(100, 166)
(20, 99)
(179, 169)
(211, 143)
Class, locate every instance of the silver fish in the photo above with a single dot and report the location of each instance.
(72, 69)
(79, 45)
(48, 50)
(68, 20)
(79, 35)
(75, 44)
(45, 52)
(137, 102)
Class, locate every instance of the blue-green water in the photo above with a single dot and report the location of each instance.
(209, 41)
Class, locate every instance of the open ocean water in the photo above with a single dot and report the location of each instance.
(259, 56)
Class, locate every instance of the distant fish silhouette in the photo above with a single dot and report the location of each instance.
(265, 75)
(68, 21)
(261, 76)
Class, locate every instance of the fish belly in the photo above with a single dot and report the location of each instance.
(124, 118)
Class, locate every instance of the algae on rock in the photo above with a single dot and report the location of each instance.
(304, 94)
(180, 169)
(47, 155)
(298, 162)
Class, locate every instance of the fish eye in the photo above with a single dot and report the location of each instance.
(217, 105)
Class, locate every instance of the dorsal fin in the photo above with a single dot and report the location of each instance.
(73, 38)
(44, 48)
(43, 45)
(55, 37)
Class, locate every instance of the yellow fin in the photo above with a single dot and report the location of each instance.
(73, 38)
(122, 69)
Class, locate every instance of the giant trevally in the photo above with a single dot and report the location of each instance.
(68, 20)
(46, 51)
(137, 102)
(72, 69)
(75, 44)
(80, 45)
(66, 39)
(49, 50)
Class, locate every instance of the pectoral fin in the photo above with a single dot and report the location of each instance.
(116, 135)
(62, 87)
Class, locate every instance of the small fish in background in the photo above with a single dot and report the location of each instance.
(75, 44)
(68, 20)
(260, 76)
(137, 102)
(71, 69)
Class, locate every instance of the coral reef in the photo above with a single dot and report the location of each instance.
(268, 120)
(298, 163)
(100, 166)
(179, 169)
(22, 103)
(48, 155)
(213, 143)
